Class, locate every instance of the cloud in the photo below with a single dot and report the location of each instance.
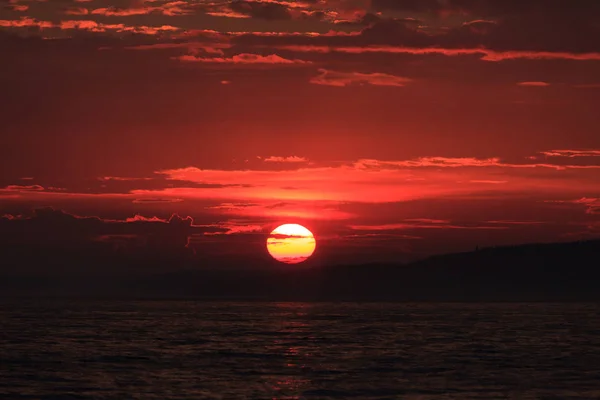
(234, 227)
(25, 22)
(499, 32)
(462, 162)
(19, 188)
(289, 159)
(378, 181)
(261, 9)
(428, 221)
(281, 10)
(85, 25)
(341, 79)
(122, 178)
(59, 229)
(156, 201)
(141, 218)
(490, 40)
(299, 210)
(19, 191)
(193, 47)
(534, 84)
(505, 8)
(243, 58)
(77, 11)
(287, 236)
(227, 14)
(17, 7)
(231, 206)
(484, 54)
(294, 180)
(168, 8)
(423, 224)
(592, 204)
(571, 153)
(509, 222)
(335, 130)
(488, 181)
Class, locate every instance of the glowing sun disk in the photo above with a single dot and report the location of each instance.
(291, 243)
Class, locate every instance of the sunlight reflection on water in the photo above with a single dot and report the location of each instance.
(190, 350)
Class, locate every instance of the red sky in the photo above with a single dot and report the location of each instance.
(392, 129)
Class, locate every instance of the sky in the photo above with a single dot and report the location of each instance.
(392, 129)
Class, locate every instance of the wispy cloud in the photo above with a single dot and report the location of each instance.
(408, 225)
(512, 222)
(168, 8)
(243, 58)
(591, 204)
(19, 188)
(488, 181)
(300, 184)
(534, 84)
(194, 48)
(85, 25)
(482, 53)
(308, 210)
(462, 162)
(289, 159)
(381, 180)
(571, 153)
(156, 201)
(338, 78)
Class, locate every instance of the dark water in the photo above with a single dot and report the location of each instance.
(196, 350)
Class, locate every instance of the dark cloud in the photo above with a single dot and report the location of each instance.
(262, 10)
(52, 228)
(519, 34)
(103, 185)
(407, 5)
(125, 185)
(498, 25)
(556, 25)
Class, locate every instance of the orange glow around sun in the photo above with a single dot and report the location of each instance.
(291, 243)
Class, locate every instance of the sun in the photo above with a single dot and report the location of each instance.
(291, 243)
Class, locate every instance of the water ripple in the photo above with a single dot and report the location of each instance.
(189, 350)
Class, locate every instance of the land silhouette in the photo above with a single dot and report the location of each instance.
(532, 272)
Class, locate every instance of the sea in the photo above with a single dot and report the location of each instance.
(99, 349)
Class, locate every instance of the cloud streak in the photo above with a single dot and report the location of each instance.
(386, 180)
(364, 180)
(341, 79)
(571, 153)
(85, 25)
(482, 53)
(534, 84)
(409, 225)
(289, 159)
(243, 58)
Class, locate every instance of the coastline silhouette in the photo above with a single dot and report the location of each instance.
(532, 272)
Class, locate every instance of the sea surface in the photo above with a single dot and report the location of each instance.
(82, 349)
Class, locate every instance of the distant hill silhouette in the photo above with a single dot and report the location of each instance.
(535, 272)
